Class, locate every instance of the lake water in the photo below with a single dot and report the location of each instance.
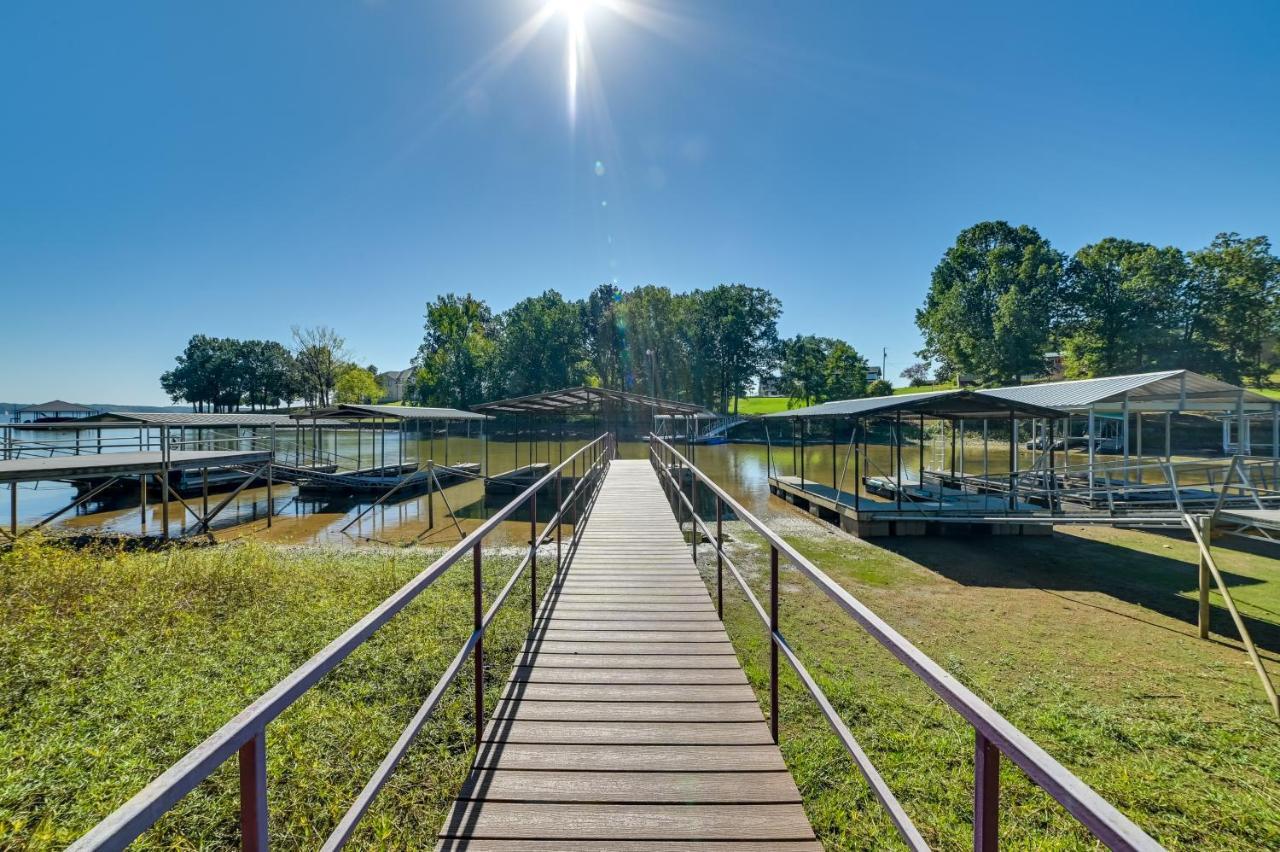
(742, 469)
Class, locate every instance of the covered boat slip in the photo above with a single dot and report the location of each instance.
(926, 481)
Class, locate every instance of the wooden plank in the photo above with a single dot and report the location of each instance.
(703, 662)
(551, 674)
(630, 711)
(512, 730)
(567, 821)
(637, 758)
(629, 692)
(704, 616)
(556, 646)
(725, 788)
(566, 635)
(466, 845)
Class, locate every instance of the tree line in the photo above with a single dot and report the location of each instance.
(1002, 297)
(223, 374)
(704, 346)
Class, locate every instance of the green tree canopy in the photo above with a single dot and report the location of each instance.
(455, 363)
(1118, 307)
(991, 299)
(356, 386)
(1236, 281)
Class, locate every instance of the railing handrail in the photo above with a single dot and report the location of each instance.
(118, 829)
(1097, 814)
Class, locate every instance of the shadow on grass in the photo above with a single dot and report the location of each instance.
(1065, 563)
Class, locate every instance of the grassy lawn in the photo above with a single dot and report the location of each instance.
(924, 388)
(763, 404)
(112, 666)
(1085, 640)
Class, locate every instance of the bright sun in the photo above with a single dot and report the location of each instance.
(575, 14)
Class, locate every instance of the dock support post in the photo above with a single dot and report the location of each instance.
(142, 504)
(559, 525)
(1202, 618)
(1013, 463)
(164, 482)
(13, 510)
(857, 462)
(804, 425)
(431, 502)
(920, 475)
(773, 642)
(986, 794)
(271, 467)
(253, 793)
(694, 535)
(477, 618)
(897, 440)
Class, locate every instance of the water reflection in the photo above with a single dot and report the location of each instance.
(741, 469)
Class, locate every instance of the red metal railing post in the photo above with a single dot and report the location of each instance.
(477, 618)
(773, 642)
(719, 557)
(986, 794)
(253, 793)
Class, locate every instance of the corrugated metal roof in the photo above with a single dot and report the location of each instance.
(394, 412)
(951, 404)
(202, 420)
(580, 399)
(1165, 386)
(56, 405)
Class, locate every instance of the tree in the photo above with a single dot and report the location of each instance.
(208, 375)
(454, 364)
(356, 385)
(990, 301)
(657, 359)
(1118, 307)
(804, 363)
(268, 373)
(1237, 281)
(735, 337)
(844, 373)
(320, 354)
(917, 374)
(605, 335)
(543, 346)
(879, 387)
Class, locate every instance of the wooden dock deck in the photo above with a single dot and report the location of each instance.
(627, 722)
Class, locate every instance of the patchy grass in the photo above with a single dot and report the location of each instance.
(1086, 640)
(114, 665)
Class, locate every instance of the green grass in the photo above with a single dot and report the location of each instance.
(925, 388)
(1085, 640)
(112, 666)
(763, 404)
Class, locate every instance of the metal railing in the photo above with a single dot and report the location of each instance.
(994, 735)
(245, 735)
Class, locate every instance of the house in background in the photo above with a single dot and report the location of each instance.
(769, 386)
(394, 384)
(53, 411)
(873, 374)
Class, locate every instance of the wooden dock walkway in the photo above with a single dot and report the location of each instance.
(627, 722)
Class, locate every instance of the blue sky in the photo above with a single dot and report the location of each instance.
(237, 168)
